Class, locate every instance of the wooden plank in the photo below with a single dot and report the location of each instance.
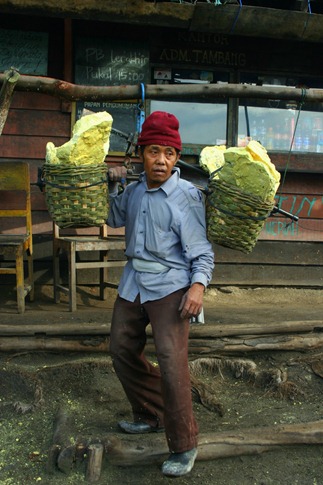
(27, 147)
(38, 123)
(301, 183)
(303, 230)
(305, 162)
(43, 224)
(34, 101)
(275, 253)
(267, 275)
(305, 206)
(10, 201)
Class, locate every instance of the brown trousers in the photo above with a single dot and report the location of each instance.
(158, 396)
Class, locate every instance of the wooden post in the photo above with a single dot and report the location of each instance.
(10, 80)
(95, 455)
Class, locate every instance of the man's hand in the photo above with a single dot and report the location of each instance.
(117, 174)
(192, 302)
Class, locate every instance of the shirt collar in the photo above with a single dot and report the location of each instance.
(170, 183)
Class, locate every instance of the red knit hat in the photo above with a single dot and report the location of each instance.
(161, 128)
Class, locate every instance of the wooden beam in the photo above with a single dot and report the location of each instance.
(250, 21)
(229, 19)
(205, 92)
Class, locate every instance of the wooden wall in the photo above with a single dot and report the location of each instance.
(295, 264)
(300, 194)
(33, 120)
(285, 255)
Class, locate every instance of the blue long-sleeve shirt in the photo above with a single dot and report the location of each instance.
(164, 225)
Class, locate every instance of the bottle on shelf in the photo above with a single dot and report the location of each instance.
(298, 143)
(306, 134)
(313, 141)
(306, 143)
(277, 137)
(270, 139)
(286, 137)
(254, 131)
(262, 133)
(317, 135)
(319, 142)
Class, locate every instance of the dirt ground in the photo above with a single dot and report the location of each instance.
(38, 386)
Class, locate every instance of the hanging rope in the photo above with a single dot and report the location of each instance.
(237, 16)
(309, 10)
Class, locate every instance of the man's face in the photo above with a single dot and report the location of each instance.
(158, 164)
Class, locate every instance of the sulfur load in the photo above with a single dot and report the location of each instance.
(241, 194)
(89, 143)
(75, 174)
(248, 168)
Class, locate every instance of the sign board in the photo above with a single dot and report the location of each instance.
(100, 61)
(124, 119)
(25, 51)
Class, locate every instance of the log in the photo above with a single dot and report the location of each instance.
(69, 456)
(259, 440)
(88, 344)
(196, 331)
(123, 450)
(53, 454)
(268, 328)
(94, 466)
(206, 92)
(249, 343)
(9, 82)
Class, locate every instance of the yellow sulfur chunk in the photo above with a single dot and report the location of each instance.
(259, 153)
(89, 144)
(254, 176)
(212, 159)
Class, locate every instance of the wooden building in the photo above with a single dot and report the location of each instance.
(167, 52)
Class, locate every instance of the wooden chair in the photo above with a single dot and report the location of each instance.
(15, 204)
(72, 245)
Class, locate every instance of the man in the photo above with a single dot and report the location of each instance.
(170, 263)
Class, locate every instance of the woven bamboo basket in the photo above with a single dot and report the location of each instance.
(76, 196)
(235, 218)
